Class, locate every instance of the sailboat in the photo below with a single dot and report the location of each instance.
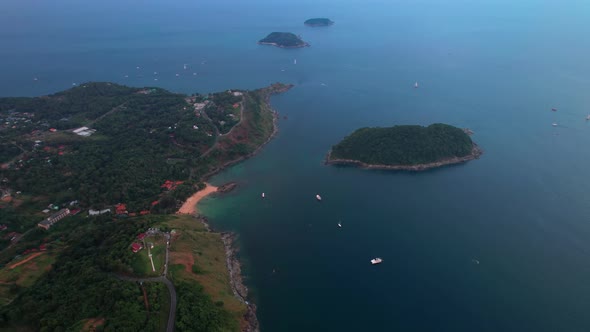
(263, 195)
(416, 85)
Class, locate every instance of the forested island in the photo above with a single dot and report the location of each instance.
(283, 40)
(405, 147)
(318, 22)
(114, 162)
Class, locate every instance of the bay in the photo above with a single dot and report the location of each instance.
(497, 67)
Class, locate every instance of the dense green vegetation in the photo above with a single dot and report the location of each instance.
(143, 138)
(196, 312)
(404, 145)
(318, 22)
(83, 284)
(283, 39)
(224, 110)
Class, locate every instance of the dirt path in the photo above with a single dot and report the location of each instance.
(25, 260)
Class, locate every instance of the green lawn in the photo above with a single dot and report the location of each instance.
(141, 264)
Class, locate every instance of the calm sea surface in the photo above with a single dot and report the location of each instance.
(496, 66)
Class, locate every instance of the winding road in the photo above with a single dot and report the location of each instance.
(164, 279)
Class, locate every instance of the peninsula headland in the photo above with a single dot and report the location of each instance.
(98, 173)
(405, 147)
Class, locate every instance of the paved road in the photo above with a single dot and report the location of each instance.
(167, 282)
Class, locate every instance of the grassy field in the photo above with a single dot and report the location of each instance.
(24, 275)
(197, 255)
(141, 262)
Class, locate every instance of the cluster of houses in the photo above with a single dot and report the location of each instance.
(13, 119)
(136, 246)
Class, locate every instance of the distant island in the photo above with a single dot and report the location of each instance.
(318, 22)
(283, 40)
(406, 147)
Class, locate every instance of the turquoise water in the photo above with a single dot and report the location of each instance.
(497, 67)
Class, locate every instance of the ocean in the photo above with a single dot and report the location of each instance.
(497, 244)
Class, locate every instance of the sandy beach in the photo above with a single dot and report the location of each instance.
(190, 206)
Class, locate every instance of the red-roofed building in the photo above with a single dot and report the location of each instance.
(144, 212)
(132, 214)
(136, 247)
(141, 236)
(53, 130)
(61, 153)
(171, 185)
(43, 247)
(155, 203)
(120, 209)
(75, 211)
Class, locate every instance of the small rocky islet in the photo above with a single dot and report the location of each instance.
(318, 22)
(283, 40)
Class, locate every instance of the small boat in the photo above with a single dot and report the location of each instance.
(588, 117)
(35, 79)
(184, 66)
(177, 75)
(554, 109)
(416, 85)
(377, 260)
(155, 73)
(194, 74)
(554, 124)
(263, 195)
(339, 224)
(318, 197)
(295, 61)
(475, 261)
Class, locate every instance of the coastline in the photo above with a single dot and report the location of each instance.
(476, 152)
(190, 205)
(237, 283)
(232, 262)
(281, 46)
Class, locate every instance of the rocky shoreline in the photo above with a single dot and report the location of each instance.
(237, 285)
(282, 46)
(476, 152)
(233, 264)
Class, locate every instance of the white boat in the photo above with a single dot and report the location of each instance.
(339, 224)
(416, 85)
(588, 117)
(554, 124)
(295, 61)
(185, 66)
(177, 75)
(318, 197)
(263, 195)
(376, 261)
